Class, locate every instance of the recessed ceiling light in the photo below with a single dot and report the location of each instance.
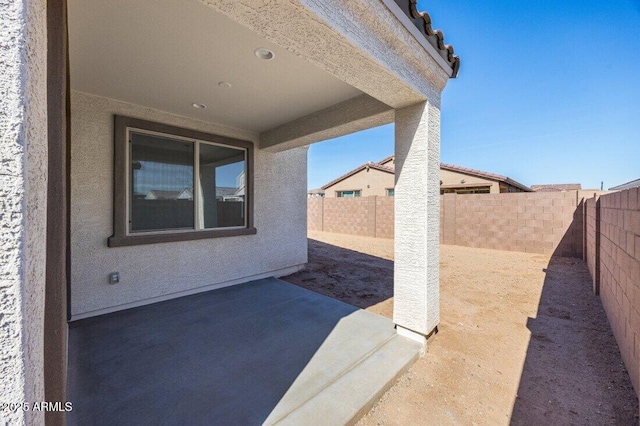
(264, 53)
(224, 84)
(198, 106)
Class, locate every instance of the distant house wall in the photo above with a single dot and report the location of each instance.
(449, 177)
(370, 182)
(155, 271)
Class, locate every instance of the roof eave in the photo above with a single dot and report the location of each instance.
(419, 24)
(356, 170)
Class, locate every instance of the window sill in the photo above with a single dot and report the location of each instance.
(134, 240)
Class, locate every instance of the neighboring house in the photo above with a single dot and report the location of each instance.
(157, 95)
(462, 180)
(186, 194)
(389, 162)
(367, 180)
(632, 184)
(557, 187)
(156, 194)
(379, 179)
(315, 193)
(224, 191)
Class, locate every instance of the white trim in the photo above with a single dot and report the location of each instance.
(275, 273)
(404, 19)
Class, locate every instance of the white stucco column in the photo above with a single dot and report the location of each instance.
(23, 201)
(417, 213)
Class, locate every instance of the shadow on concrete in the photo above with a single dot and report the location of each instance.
(352, 277)
(573, 371)
(222, 357)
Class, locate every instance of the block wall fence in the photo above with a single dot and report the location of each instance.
(602, 229)
(365, 216)
(612, 254)
(546, 223)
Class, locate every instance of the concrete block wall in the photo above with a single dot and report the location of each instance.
(551, 223)
(356, 216)
(314, 213)
(545, 223)
(620, 273)
(384, 217)
(592, 240)
(365, 216)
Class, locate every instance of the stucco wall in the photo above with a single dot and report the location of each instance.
(23, 201)
(369, 181)
(149, 272)
(417, 217)
(453, 178)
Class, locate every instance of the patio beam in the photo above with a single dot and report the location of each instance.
(360, 113)
(416, 309)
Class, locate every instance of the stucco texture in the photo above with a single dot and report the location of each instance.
(360, 42)
(23, 185)
(417, 208)
(453, 178)
(368, 181)
(152, 271)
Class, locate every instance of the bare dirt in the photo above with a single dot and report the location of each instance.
(522, 339)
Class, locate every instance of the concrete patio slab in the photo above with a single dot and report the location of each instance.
(262, 352)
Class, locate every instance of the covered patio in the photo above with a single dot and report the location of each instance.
(167, 144)
(312, 360)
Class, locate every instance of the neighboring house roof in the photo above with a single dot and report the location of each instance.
(379, 166)
(486, 175)
(156, 194)
(422, 21)
(628, 185)
(370, 165)
(556, 187)
(386, 160)
(186, 194)
(224, 191)
(315, 191)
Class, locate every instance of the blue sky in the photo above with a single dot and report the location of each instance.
(548, 92)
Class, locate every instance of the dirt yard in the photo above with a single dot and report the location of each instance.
(522, 340)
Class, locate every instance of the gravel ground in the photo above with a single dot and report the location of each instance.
(522, 340)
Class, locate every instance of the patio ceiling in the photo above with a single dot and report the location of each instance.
(169, 54)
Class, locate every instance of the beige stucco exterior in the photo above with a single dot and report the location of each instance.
(155, 272)
(450, 178)
(368, 181)
(372, 46)
(23, 206)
